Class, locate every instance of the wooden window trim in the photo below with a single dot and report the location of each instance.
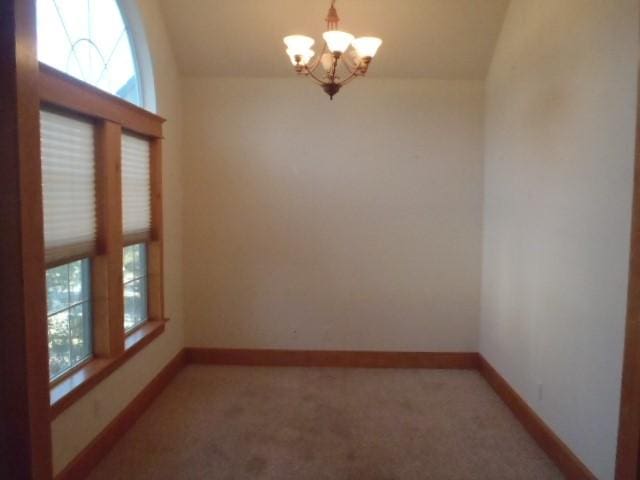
(25, 442)
(64, 91)
(112, 346)
(90, 255)
(127, 334)
(61, 378)
(135, 239)
(74, 386)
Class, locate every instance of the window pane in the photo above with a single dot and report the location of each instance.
(135, 285)
(69, 320)
(57, 288)
(135, 303)
(79, 333)
(141, 261)
(79, 281)
(128, 264)
(59, 344)
(88, 39)
(134, 263)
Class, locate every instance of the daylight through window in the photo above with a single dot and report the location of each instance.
(134, 277)
(88, 39)
(69, 316)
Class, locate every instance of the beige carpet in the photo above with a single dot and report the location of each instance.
(320, 423)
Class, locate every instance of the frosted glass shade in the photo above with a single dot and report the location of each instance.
(337, 41)
(298, 44)
(367, 46)
(306, 56)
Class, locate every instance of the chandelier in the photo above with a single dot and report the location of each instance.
(339, 64)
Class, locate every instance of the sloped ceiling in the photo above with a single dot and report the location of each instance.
(448, 39)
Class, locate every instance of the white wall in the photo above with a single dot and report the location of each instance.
(352, 224)
(79, 424)
(560, 120)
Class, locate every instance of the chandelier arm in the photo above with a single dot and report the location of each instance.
(352, 68)
(310, 69)
(318, 59)
(348, 79)
(319, 81)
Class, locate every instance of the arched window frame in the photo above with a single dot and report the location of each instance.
(134, 31)
(141, 52)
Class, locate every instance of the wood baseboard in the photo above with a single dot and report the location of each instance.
(321, 358)
(556, 449)
(88, 458)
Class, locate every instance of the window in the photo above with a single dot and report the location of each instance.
(134, 275)
(88, 39)
(101, 193)
(136, 225)
(68, 190)
(69, 316)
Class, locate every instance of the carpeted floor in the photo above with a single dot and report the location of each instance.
(321, 423)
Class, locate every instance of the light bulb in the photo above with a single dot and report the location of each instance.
(337, 41)
(367, 46)
(327, 61)
(298, 44)
(306, 56)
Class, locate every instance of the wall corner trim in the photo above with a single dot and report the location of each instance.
(568, 463)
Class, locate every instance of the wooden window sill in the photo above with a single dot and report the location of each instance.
(69, 390)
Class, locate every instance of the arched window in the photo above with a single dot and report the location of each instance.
(92, 40)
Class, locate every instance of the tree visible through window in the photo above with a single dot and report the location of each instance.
(88, 39)
(69, 316)
(134, 277)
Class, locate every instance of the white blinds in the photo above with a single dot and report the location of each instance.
(68, 186)
(136, 192)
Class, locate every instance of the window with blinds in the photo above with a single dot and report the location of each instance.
(100, 183)
(69, 206)
(136, 191)
(68, 186)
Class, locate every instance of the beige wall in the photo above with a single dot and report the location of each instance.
(357, 223)
(561, 99)
(352, 224)
(78, 425)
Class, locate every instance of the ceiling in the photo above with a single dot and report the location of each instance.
(448, 39)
